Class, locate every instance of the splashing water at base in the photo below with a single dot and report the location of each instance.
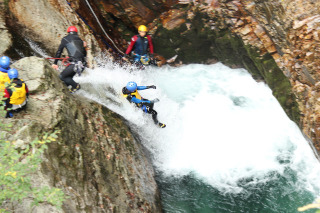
(228, 145)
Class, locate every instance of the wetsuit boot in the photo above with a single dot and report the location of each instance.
(73, 90)
(155, 119)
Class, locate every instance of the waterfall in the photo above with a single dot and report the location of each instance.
(228, 145)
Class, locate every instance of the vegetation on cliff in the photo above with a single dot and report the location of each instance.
(18, 163)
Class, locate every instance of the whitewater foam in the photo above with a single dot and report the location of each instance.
(222, 126)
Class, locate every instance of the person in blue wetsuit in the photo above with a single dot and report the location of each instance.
(130, 92)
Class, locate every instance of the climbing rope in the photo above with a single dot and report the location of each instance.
(95, 33)
(103, 28)
(65, 61)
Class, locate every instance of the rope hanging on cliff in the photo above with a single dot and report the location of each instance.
(95, 33)
(103, 28)
(64, 61)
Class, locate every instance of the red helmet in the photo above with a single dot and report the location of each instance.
(72, 29)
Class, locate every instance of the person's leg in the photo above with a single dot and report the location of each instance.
(67, 76)
(154, 116)
(148, 108)
(9, 114)
(7, 107)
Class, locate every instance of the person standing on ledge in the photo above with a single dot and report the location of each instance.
(130, 92)
(16, 92)
(77, 53)
(139, 45)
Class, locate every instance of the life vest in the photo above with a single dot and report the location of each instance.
(19, 94)
(3, 79)
(141, 45)
(136, 94)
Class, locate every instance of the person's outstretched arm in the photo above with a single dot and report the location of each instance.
(146, 87)
(60, 49)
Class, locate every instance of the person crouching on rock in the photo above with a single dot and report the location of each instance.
(139, 46)
(131, 93)
(77, 53)
(4, 67)
(17, 94)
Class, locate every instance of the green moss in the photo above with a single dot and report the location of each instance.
(6, 3)
(276, 80)
(123, 133)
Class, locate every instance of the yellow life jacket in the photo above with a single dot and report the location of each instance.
(136, 94)
(3, 79)
(18, 95)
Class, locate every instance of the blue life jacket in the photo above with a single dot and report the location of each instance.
(141, 45)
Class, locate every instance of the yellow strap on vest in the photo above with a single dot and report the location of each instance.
(3, 79)
(19, 95)
(138, 96)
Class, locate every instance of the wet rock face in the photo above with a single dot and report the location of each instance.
(289, 32)
(137, 12)
(96, 161)
(44, 23)
(5, 37)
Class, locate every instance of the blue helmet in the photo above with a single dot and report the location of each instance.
(131, 86)
(5, 62)
(13, 73)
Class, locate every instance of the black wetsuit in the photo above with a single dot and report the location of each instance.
(77, 53)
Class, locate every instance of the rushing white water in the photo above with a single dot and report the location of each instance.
(222, 126)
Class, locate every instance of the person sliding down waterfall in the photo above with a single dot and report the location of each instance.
(77, 53)
(4, 68)
(131, 93)
(139, 47)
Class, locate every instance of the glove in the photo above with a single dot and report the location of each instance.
(125, 57)
(152, 86)
(154, 100)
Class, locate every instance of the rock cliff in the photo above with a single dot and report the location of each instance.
(277, 41)
(96, 160)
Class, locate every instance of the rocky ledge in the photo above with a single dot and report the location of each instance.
(96, 161)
